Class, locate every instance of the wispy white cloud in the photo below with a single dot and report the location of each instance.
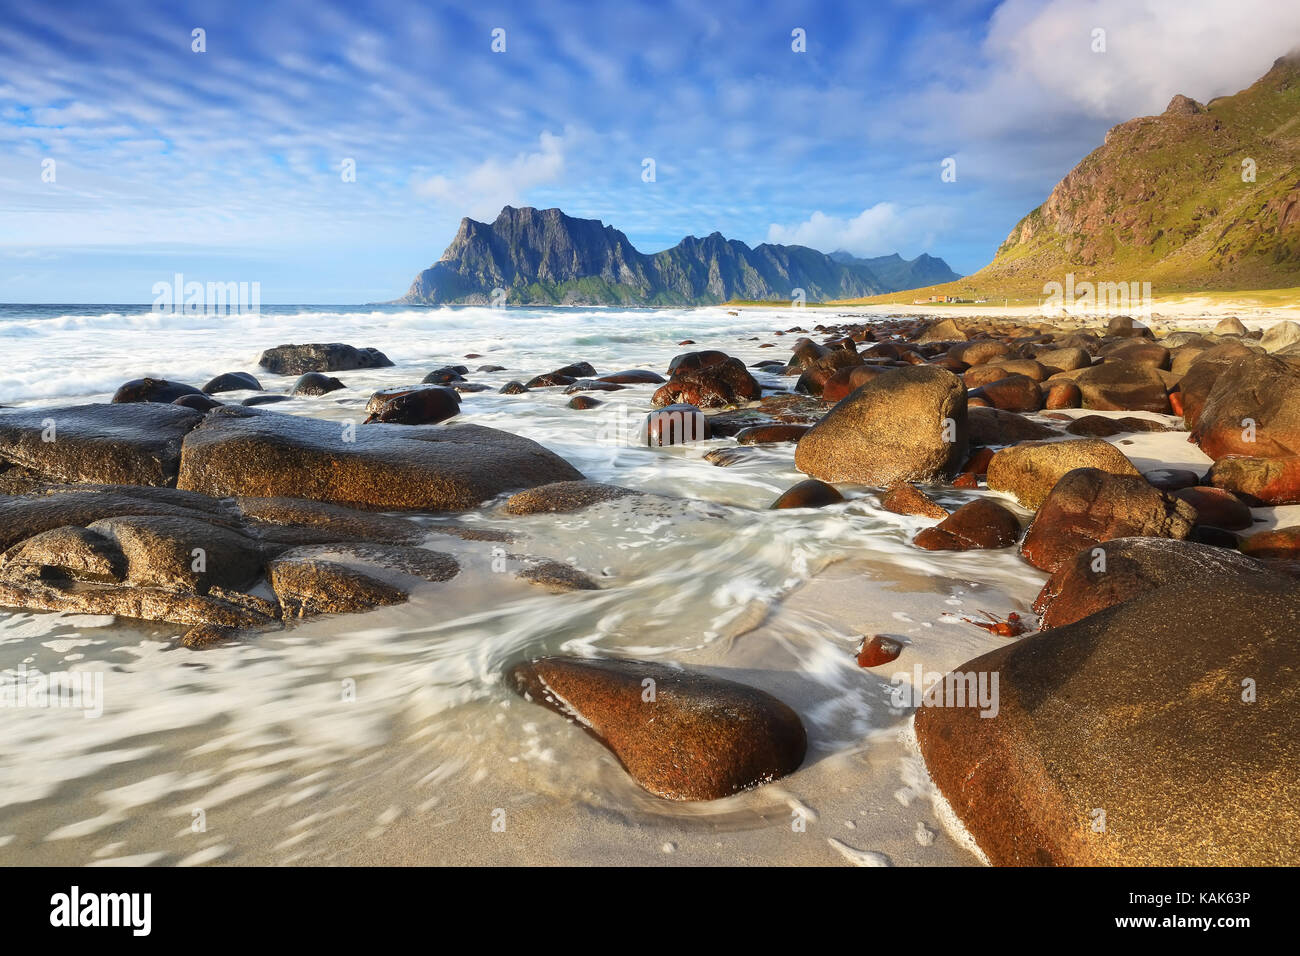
(482, 190)
(878, 230)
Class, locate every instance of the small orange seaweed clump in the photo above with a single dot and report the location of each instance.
(1010, 626)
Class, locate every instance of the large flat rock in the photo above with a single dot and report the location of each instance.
(136, 443)
(239, 451)
(1142, 712)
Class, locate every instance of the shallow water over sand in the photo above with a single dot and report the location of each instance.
(390, 736)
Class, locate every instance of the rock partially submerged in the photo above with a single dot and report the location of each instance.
(223, 566)
(320, 357)
(237, 451)
(136, 443)
(679, 734)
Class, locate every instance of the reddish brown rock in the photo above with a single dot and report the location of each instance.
(678, 733)
(584, 402)
(1258, 481)
(981, 523)
(1015, 393)
(1115, 571)
(845, 381)
(679, 424)
(770, 434)
(904, 498)
(1253, 410)
(807, 494)
(1217, 507)
(1062, 394)
(1089, 506)
(1139, 711)
(878, 650)
(1281, 544)
(711, 386)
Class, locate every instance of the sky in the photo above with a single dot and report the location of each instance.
(128, 154)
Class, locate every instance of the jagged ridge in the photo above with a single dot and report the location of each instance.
(544, 257)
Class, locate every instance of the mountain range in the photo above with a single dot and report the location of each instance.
(544, 257)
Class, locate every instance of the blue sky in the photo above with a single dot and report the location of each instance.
(226, 165)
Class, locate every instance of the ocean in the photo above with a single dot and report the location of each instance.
(315, 743)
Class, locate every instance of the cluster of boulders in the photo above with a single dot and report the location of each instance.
(1136, 703)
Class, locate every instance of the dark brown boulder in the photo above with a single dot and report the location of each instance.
(447, 375)
(314, 383)
(422, 405)
(906, 425)
(320, 357)
(1146, 712)
(712, 386)
(994, 426)
(1119, 386)
(1140, 353)
(678, 733)
(232, 382)
(633, 377)
(810, 493)
(1099, 426)
(1199, 379)
(200, 403)
(1015, 393)
(1217, 507)
(981, 523)
(1089, 506)
(690, 361)
(584, 402)
(153, 390)
(679, 424)
(770, 434)
(1115, 571)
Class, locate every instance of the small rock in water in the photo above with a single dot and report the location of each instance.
(810, 493)
(877, 650)
(681, 734)
(316, 383)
